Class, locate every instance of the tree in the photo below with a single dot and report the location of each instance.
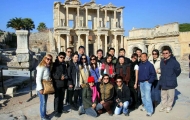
(15, 23)
(28, 24)
(41, 27)
(184, 27)
(21, 24)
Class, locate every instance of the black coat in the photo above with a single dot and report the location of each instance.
(72, 70)
(58, 70)
(125, 93)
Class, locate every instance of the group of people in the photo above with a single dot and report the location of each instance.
(96, 84)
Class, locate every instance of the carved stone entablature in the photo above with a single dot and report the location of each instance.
(72, 2)
(57, 4)
(92, 4)
(110, 5)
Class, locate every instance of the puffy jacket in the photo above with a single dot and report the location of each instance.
(170, 70)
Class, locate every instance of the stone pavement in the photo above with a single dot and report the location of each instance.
(18, 106)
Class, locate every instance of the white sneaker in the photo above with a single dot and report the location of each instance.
(162, 110)
(143, 109)
(168, 110)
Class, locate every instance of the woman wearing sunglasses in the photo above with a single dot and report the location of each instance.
(122, 97)
(94, 70)
(43, 73)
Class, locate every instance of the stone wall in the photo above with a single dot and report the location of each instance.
(39, 42)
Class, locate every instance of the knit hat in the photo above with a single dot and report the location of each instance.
(90, 79)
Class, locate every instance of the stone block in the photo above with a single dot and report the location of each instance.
(25, 64)
(11, 91)
(23, 57)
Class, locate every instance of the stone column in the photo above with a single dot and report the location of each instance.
(115, 45)
(114, 19)
(98, 15)
(67, 16)
(121, 22)
(105, 21)
(78, 16)
(121, 45)
(98, 36)
(68, 40)
(22, 41)
(106, 45)
(59, 15)
(59, 43)
(86, 17)
(78, 45)
(86, 46)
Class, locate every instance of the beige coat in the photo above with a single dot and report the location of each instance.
(84, 75)
(156, 66)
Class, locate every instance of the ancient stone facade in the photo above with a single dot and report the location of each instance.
(159, 37)
(91, 25)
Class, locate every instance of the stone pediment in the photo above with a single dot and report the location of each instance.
(72, 2)
(110, 5)
(91, 4)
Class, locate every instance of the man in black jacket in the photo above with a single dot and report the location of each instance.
(122, 97)
(59, 74)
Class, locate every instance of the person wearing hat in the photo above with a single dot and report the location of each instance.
(59, 75)
(90, 97)
(122, 97)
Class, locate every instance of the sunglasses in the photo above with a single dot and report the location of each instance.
(48, 59)
(62, 57)
(135, 58)
(69, 51)
(106, 78)
(83, 58)
(165, 53)
(118, 81)
(92, 59)
(154, 53)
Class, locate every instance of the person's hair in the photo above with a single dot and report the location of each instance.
(104, 77)
(99, 50)
(81, 63)
(138, 49)
(62, 53)
(107, 58)
(144, 54)
(82, 47)
(111, 49)
(119, 77)
(91, 65)
(157, 52)
(43, 62)
(75, 53)
(70, 49)
(167, 48)
(121, 49)
(133, 55)
(121, 57)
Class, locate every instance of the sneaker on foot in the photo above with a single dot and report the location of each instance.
(57, 114)
(148, 115)
(142, 109)
(126, 114)
(162, 110)
(168, 110)
(80, 110)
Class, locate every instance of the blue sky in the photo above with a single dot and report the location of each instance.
(137, 13)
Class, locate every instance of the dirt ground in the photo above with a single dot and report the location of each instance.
(18, 106)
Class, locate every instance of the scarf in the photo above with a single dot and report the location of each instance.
(95, 93)
(123, 67)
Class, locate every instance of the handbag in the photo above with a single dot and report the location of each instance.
(48, 86)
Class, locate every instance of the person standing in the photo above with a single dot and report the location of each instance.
(81, 51)
(74, 82)
(122, 97)
(146, 77)
(59, 75)
(155, 60)
(100, 59)
(122, 53)
(112, 53)
(123, 69)
(138, 52)
(133, 83)
(43, 73)
(170, 70)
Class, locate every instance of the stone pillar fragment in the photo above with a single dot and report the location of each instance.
(87, 17)
(106, 45)
(78, 45)
(67, 41)
(22, 41)
(98, 36)
(86, 46)
(67, 16)
(121, 44)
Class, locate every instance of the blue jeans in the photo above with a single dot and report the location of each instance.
(43, 104)
(124, 108)
(90, 111)
(155, 91)
(145, 88)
